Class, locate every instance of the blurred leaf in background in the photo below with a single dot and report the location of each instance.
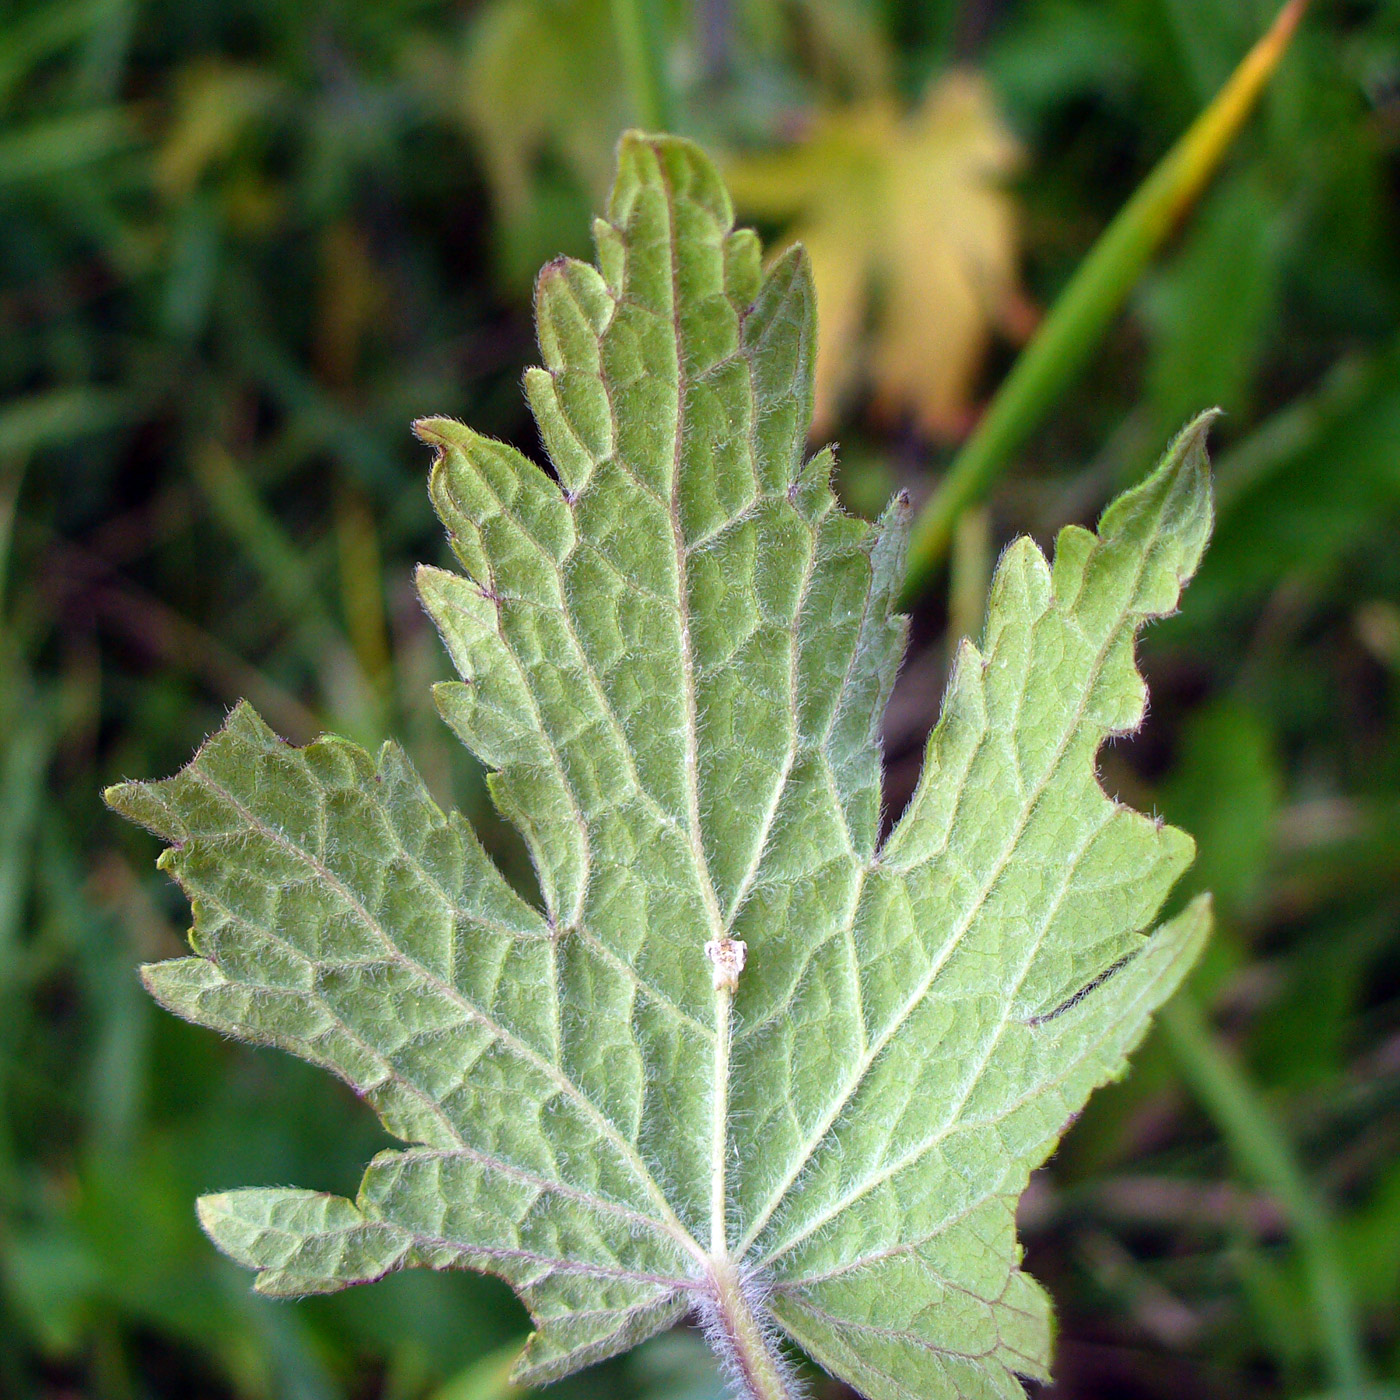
(913, 238)
(535, 94)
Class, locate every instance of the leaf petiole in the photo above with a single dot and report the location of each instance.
(741, 1341)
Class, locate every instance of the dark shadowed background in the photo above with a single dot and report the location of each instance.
(244, 242)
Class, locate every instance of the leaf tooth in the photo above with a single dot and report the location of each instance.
(1021, 593)
(1151, 538)
(889, 545)
(572, 458)
(465, 614)
(743, 266)
(810, 491)
(612, 254)
(580, 286)
(155, 806)
(573, 309)
(923, 829)
(301, 1242)
(779, 340)
(510, 516)
(144, 804)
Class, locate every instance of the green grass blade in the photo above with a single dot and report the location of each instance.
(237, 506)
(55, 146)
(1083, 311)
(1263, 1152)
(56, 417)
(636, 38)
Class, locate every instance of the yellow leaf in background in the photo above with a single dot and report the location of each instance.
(912, 236)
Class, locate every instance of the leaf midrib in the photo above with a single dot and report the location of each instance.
(721, 925)
(719, 1088)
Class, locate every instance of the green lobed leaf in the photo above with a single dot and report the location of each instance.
(674, 659)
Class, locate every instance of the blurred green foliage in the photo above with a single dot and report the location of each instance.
(243, 244)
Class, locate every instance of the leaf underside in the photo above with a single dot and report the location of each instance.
(674, 656)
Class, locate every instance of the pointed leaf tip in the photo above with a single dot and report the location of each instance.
(1174, 504)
